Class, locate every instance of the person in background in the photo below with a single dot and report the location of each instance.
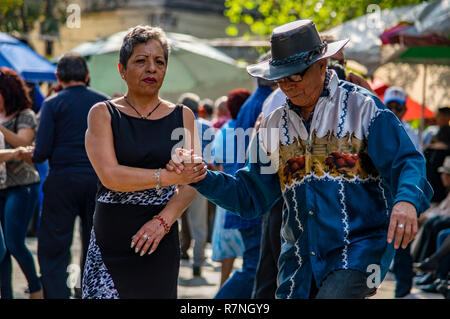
(256, 267)
(437, 148)
(240, 284)
(222, 115)
(439, 264)
(395, 100)
(19, 194)
(267, 271)
(227, 243)
(433, 242)
(206, 109)
(433, 220)
(194, 223)
(54, 89)
(42, 168)
(6, 155)
(71, 185)
(433, 125)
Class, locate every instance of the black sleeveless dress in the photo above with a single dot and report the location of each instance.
(113, 269)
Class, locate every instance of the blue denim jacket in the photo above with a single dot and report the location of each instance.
(339, 181)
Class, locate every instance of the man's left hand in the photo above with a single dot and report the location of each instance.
(403, 224)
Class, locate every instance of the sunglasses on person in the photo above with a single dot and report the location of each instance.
(297, 77)
(395, 106)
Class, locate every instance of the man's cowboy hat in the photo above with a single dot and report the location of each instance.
(294, 46)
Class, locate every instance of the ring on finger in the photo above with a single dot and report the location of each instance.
(145, 236)
(195, 168)
(401, 226)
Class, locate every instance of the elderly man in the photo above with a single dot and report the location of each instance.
(352, 181)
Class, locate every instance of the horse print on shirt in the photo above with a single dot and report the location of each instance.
(330, 156)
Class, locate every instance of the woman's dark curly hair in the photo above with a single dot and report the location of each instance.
(14, 91)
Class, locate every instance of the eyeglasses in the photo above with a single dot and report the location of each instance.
(395, 106)
(297, 77)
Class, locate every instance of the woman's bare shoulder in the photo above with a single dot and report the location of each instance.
(99, 111)
(187, 113)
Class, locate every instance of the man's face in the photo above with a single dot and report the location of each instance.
(398, 109)
(442, 119)
(307, 91)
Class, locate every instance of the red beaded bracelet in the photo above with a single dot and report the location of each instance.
(163, 223)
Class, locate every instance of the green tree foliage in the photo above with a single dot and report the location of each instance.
(21, 15)
(18, 15)
(261, 16)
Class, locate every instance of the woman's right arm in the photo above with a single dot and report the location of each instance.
(100, 150)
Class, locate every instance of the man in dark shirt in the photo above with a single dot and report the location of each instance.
(71, 185)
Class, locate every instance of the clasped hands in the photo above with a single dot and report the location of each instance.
(19, 153)
(188, 167)
(184, 168)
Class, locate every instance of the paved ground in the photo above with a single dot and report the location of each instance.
(204, 287)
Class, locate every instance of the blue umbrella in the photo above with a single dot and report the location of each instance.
(20, 57)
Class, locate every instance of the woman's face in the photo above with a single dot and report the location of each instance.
(145, 69)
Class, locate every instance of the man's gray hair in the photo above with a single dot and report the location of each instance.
(142, 34)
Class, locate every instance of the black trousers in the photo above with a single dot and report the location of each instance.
(267, 271)
(403, 271)
(65, 198)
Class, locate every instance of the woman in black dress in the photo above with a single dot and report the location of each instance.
(134, 248)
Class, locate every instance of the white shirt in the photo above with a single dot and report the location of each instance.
(412, 135)
(276, 99)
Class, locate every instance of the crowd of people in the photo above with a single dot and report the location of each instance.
(310, 178)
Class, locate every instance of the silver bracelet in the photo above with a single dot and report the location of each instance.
(157, 175)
